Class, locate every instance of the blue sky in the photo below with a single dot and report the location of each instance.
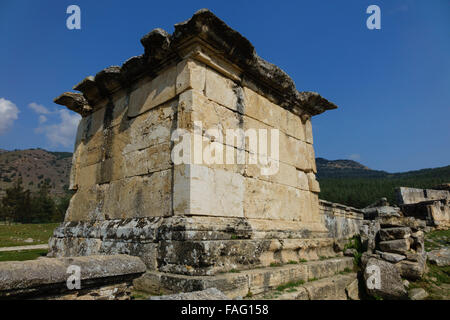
(392, 85)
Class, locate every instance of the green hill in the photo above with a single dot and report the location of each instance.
(350, 183)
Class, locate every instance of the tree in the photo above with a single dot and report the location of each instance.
(44, 208)
(16, 204)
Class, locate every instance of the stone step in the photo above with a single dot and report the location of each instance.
(246, 282)
(337, 287)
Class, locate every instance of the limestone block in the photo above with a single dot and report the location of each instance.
(221, 90)
(199, 190)
(120, 110)
(312, 157)
(141, 196)
(395, 233)
(92, 150)
(308, 131)
(147, 130)
(153, 159)
(87, 176)
(262, 109)
(302, 180)
(294, 126)
(315, 210)
(191, 74)
(94, 123)
(266, 200)
(135, 163)
(87, 204)
(286, 174)
(74, 170)
(194, 107)
(395, 246)
(313, 183)
(295, 152)
(152, 93)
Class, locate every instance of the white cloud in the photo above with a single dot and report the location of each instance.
(355, 156)
(8, 114)
(64, 132)
(39, 108)
(42, 119)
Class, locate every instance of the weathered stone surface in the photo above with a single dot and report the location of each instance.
(215, 216)
(208, 294)
(395, 233)
(191, 74)
(391, 284)
(119, 291)
(417, 294)
(199, 190)
(153, 92)
(439, 257)
(333, 288)
(412, 195)
(350, 252)
(391, 221)
(29, 276)
(313, 183)
(395, 246)
(368, 233)
(391, 257)
(411, 270)
(371, 213)
(352, 290)
(258, 280)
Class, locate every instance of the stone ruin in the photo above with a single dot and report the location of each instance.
(195, 224)
(431, 205)
(193, 218)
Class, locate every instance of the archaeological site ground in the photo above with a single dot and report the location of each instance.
(194, 177)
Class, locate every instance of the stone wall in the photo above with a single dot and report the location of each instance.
(342, 222)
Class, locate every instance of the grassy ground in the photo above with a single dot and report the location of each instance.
(436, 281)
(15, 235)
(437, 239)
(22, 255)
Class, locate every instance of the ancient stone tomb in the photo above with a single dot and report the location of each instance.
(196, 156)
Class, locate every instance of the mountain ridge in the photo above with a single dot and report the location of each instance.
(35, 166)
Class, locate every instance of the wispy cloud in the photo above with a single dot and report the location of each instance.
(39, 108)
(42, 119)
(62, 133)
(8, 114)
(355, 156)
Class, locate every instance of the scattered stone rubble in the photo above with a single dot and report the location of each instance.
(430, 205)
(395, 244)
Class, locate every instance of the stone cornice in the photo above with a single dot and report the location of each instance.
(162, 49)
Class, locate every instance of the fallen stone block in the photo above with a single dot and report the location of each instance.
(395, 246)
(417, 294)
(395, 233)
(411, 270)
(440, 257)
(46, 277)
(391, 257)
(382, 279)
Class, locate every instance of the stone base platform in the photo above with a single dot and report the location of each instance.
(338, 287)
(195, 246)
(243, 283)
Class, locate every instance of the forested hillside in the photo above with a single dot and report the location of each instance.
(358, 186)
